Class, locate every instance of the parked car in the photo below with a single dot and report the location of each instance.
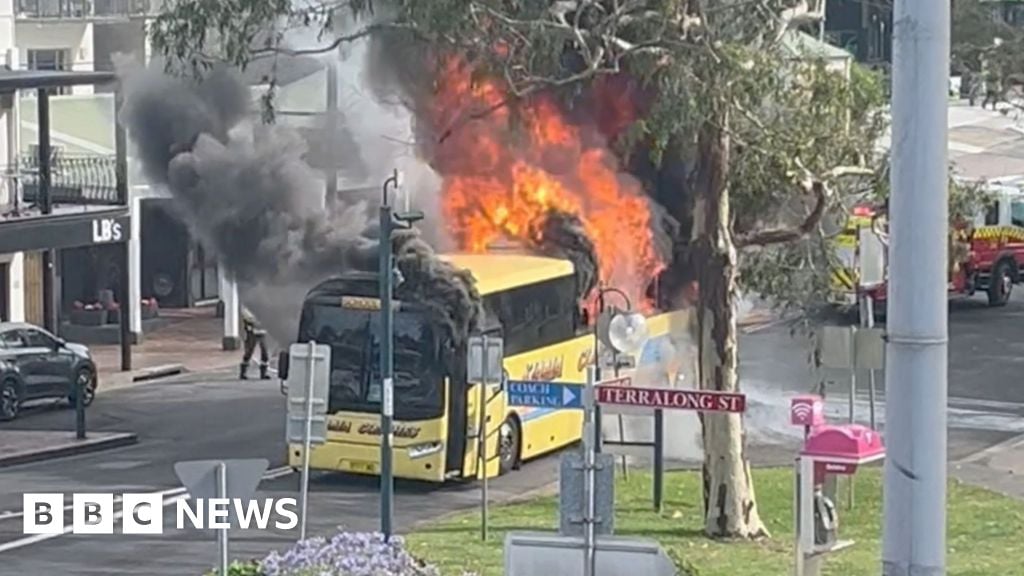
(35, 364)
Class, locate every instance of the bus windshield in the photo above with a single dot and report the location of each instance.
(354, 337)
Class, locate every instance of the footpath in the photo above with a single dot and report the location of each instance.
(188, 341)
(999, 468)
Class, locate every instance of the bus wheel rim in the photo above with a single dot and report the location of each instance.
(507, 442)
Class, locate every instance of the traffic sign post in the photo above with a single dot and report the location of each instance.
(620, 393)
(205, 479)
(308, 388)
(485, 364)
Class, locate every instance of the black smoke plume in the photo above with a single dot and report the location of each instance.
(561, 235)
(245, 190)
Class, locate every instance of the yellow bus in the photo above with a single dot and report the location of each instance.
(531, 299)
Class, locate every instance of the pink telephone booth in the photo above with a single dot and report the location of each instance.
(827, 450)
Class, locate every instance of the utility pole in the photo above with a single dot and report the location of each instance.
(331, 142)
(389, 222)
(916, 363)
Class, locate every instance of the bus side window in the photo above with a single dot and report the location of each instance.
(536, 315)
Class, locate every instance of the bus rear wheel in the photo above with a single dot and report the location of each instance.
(509, 440)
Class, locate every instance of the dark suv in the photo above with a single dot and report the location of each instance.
(35, 364)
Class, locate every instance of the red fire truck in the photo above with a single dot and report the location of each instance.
(986, 254)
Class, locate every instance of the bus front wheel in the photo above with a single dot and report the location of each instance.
(508, 450)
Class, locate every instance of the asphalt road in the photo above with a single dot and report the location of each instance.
(213, 416)
(195, 418)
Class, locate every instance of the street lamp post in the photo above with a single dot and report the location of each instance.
(389, 223)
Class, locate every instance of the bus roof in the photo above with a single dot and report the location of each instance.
(498, 272)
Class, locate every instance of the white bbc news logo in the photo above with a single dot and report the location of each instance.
(144, 513)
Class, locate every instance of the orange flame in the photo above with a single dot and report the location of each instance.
(505, 169)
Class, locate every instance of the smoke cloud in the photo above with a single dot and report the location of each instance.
(245, 190)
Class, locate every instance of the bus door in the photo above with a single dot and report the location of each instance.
(455, 455)
(460, 444)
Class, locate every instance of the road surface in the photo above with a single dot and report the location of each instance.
(207, 416)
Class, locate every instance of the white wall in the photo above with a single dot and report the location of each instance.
(127, 38)
(75, 37)
(6, 24)
(8, 121)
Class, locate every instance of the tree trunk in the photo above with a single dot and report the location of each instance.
(730, 509)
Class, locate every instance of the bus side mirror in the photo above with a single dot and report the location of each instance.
(282, 364)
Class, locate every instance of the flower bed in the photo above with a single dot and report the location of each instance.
(345, 554)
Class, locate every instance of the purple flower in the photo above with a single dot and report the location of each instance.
(347, 554)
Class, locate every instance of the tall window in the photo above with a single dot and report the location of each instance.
(51, 60)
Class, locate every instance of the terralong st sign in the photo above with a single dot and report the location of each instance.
(671, 399)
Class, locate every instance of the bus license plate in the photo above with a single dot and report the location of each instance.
(366, 467)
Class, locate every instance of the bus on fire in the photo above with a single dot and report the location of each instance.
(531, 300)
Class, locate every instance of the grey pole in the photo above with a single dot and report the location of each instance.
(222, 540)
(307, 439)
(590, 444)
(482, 439)
(387, 480)
(916, 364)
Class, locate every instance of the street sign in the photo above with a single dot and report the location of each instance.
(672, 399)
(200, 477)
(299, 383)
(544, 394)
(207, 479)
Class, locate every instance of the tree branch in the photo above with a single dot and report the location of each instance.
(338, 41)
(817, 186)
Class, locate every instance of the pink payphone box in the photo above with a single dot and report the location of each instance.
(841, 449)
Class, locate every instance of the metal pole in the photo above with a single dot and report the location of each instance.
(853, 414)
(622, 424)
(128, 303)
(916, 364)
(590, 437)
(482, 439)
(659, 459)
(821, 23)
(387, 481)
(597, 367)
(869, 322)
(222, 540)
(331, 169)
(307, 438)
(50, 305)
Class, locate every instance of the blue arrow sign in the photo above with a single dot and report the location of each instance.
(544, 394)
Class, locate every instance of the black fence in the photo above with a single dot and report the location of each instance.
(75, 180)
(72, 9)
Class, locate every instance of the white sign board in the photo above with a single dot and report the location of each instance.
(298, 384)
(485, 353)
(849, 347)
(872, 258)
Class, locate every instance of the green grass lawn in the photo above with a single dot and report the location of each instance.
(985, 538)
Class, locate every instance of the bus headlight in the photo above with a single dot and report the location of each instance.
(425, 449)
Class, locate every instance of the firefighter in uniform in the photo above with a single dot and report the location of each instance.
(255, 336)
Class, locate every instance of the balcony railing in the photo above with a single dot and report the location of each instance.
(74, 180)
(85, 9)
